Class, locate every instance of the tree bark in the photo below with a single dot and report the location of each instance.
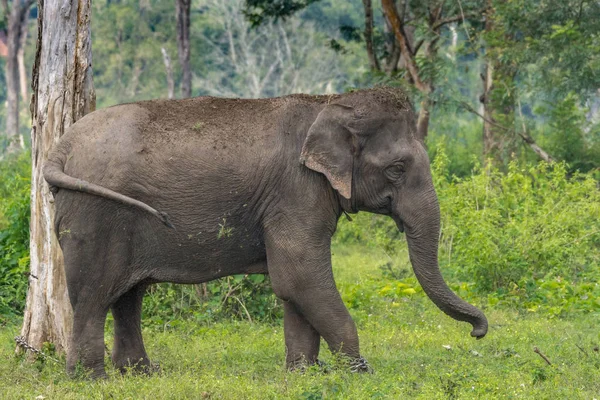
(17, 22)
(183, 45)
(63, 92)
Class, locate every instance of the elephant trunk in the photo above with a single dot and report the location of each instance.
(422, 235)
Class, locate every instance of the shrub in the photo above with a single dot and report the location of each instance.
(242, 297)
(14, 234)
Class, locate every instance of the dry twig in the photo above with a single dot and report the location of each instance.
(536, 350)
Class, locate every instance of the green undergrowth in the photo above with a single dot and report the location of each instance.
(416, 352)
(14, 234)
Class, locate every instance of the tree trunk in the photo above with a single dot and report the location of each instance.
(62, 93)
(423, 120)
(489, 134)
(498, 98)
(183, 45)
(369, 35)
(21, 61)
(16, 20)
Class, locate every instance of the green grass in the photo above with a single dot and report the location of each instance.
(415, 350)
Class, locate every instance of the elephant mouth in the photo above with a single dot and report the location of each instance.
(399, 223)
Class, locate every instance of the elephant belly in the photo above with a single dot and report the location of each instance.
(195, 256)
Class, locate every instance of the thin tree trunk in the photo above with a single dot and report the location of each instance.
(489, 134)
(21, 61)
(489, 129)
(423, 120)
(23, 69)
(16, 19)
(169, 71)
(369, 35)
(497, 110)
(62, 93)
(408, 54)
(183, 45)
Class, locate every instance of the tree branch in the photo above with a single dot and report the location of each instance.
(418, 46)
(389, 9)
(536, 350)
(524, 135)
(461, 17)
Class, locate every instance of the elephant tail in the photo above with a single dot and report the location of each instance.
(56, 177)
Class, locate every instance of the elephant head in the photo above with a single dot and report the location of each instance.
(366, 144)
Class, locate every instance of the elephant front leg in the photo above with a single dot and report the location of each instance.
(302, 341)
(301, 274)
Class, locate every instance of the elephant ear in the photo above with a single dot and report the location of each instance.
(329, 147)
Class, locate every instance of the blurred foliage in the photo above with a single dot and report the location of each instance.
(256, 11)
(569, 135)
(14, 234)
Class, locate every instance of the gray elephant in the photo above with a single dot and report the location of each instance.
(192, 190)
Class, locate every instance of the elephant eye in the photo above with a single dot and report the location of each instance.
(394, 172)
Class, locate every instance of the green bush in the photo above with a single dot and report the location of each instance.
(14, 234)
(513, 234)
(240, 297)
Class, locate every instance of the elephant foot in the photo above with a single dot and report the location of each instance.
(302, 365)
(360, 365)
(79, 371)
(143, 366)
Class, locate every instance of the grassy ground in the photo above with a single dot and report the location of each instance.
(415, 350)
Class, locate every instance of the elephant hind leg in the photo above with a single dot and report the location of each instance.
(87, 345)
(128, 351)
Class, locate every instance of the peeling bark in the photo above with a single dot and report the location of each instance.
(62, 93)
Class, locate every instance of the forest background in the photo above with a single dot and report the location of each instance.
(508, 92)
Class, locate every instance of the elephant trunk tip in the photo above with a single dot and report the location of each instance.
(480, 328)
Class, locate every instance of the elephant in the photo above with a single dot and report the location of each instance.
(191, 190)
